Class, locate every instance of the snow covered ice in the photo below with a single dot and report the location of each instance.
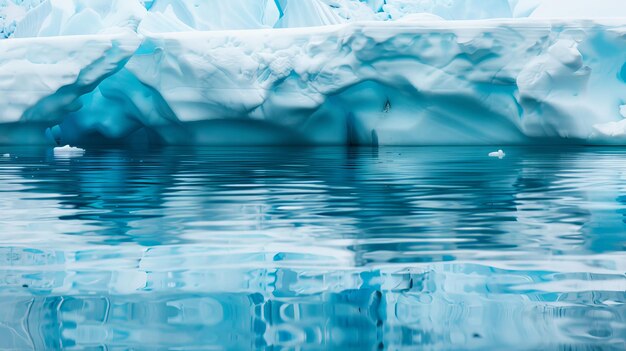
(323, 72)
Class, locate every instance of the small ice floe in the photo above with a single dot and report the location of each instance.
(68, 151)
(6, 156)
(499, 154)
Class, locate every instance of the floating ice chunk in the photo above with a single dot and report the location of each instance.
(6, 155)
(499, 154)
(68, 151)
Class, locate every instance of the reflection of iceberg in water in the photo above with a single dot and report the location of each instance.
(347, 247)
(431, 311)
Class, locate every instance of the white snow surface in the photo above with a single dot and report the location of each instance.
(371, 72)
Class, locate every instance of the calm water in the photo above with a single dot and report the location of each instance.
(321, 248)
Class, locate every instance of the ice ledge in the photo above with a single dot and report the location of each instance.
(509, 81)
(616, 23)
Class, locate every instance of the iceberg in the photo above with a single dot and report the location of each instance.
(314, 72)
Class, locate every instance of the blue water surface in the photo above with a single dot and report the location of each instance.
(313, 248)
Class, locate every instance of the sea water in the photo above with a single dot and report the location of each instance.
(313, 248)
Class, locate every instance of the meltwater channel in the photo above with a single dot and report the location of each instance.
(313, 248)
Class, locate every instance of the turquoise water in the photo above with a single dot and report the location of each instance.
(314, 248)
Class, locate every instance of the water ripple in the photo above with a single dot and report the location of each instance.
(263, 248)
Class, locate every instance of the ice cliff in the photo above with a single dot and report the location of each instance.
(372, 72)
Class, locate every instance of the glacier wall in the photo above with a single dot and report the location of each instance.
(321, 72)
